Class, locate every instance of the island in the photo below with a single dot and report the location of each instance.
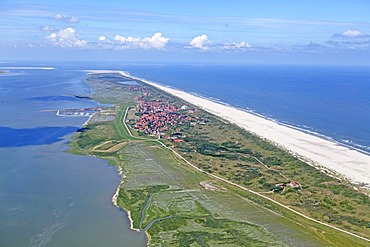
(192, 178)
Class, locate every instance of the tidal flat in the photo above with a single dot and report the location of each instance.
(47, 196)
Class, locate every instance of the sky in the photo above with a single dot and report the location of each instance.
(264, 31)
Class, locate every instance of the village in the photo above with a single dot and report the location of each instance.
(157, 117)
(160, 118)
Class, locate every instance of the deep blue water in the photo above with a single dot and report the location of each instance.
(47, 196)
(333, 101)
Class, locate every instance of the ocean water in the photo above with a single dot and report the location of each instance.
(49, 197)
(330, 101)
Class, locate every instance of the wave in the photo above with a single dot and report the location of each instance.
(365, 148)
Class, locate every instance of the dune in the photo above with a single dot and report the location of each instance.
(329, 156)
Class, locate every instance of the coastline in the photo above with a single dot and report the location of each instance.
(120, 170)
(328, 156)
(28, 68)
(115, 197)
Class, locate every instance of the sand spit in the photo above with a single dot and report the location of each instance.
(28, 68)
(323, 154)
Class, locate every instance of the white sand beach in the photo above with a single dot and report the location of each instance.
(28, 68)
(321, 153)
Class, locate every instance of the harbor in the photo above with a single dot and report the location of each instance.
(78, 112)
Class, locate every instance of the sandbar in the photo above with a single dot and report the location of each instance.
(28, 68)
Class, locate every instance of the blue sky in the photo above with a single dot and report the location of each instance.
(276, 31)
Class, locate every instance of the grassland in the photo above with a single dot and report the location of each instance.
(247, 160)
(179, 206)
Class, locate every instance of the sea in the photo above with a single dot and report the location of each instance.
(47, 196)
(332, 102)
(51, 198)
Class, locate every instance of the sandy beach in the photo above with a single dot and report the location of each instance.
(329, 156)
(28, 68)
(316, 151)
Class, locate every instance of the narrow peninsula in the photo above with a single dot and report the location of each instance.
(192, 178)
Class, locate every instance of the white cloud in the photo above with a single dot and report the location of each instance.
(243, 44)
(47, 29)
(157, 41)
(352, 33)
(200, 42)
(73, 19)
(127, 40)
(65, 18)
(58, 17)
(102, 38)
(66, 38)
(234, 46)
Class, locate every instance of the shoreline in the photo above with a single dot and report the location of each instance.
(115, 197)
(325, 155)
(219, 114)
(28, 68)
(120, 173)
(305, 129)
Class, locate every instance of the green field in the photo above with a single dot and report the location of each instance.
(180, 206)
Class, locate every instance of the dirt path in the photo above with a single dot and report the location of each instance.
(241, 187)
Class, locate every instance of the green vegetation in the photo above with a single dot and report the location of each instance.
(178, 206)
(247, 160)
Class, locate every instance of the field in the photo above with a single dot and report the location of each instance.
(180, 206)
